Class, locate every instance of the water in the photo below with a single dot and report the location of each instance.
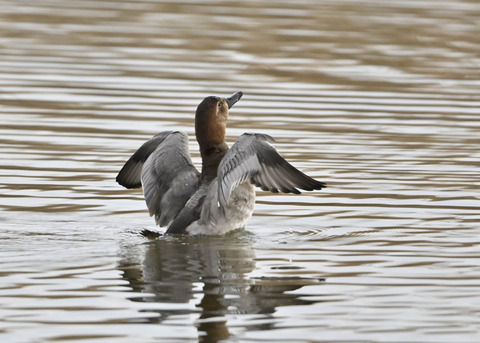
(380, 100)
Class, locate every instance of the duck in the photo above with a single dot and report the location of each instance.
(221, 197)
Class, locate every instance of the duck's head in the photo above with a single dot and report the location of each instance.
(211, 119)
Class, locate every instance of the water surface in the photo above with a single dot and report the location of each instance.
(380, 100)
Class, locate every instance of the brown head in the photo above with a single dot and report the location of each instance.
(211, 120)
(210, 124)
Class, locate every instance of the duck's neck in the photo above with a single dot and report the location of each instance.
(211, 157)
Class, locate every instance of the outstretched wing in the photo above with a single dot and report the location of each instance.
(252, 158)
(130, 174)
(163, 167)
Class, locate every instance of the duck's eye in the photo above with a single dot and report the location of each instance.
(219, 104)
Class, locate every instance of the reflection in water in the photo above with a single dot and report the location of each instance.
(212, 273)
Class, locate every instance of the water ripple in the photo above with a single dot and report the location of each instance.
(379, 100)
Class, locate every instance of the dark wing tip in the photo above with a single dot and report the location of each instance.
(128, 176)
(128, 185)
(306, 183)
(321, 185)
(315, 185)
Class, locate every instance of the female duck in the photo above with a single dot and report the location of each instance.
(220, 198)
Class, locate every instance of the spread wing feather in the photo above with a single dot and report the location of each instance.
(130, 174)
(252, 158)
(163, 167)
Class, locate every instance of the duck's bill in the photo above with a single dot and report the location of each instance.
(232, 100)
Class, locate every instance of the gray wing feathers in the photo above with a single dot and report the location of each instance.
(240, 168)
(279, 175)
(169, 178)
(253, 158)
(163, 167)
(130, 175)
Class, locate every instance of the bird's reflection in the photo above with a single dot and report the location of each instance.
(212, 273)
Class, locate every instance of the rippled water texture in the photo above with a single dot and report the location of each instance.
(380, 99)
